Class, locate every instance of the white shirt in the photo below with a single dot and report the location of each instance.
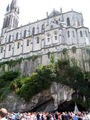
(88, 116)
(4, 118)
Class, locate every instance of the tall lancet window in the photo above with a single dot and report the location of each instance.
(81, 35)
(43, 27)
(33, 30)
(73, 33)
(1, 50)
(17, 36)
(7, 22)
(68, 34)
(25, 33)
(28, 42)
(18, 45)
(9, 40)
(68, 21)
(9, 48)
(37, 40)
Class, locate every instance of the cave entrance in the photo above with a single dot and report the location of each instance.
(68, 106)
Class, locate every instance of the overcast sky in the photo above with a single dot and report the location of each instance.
(31, 10)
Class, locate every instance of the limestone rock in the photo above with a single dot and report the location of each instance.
(46, 101)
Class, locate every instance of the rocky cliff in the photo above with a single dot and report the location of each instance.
(46, 101)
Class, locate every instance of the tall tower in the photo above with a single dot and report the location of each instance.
(11, 18)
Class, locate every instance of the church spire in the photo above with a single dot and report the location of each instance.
(13, 4)
(11, 18)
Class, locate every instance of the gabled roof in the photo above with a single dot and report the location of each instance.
(54, 13)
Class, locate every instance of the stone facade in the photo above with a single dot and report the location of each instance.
(57, 31)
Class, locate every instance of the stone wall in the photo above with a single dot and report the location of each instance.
(28, 66)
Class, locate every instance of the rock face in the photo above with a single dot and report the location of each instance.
(46, 101)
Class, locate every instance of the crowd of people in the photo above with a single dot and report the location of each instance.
(4, 115)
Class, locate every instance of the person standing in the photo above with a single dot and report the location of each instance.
(3, 113)
(38, 116)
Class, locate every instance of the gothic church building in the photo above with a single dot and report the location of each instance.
(54, 33)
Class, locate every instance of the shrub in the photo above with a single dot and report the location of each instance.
(30, 87)
(61, 72)
(9, 76)
(37, 82)
(74, 62)
(74, 49)
(5, 81)
(52, 60)
(34, 57)
(64, 51)
(49, 54)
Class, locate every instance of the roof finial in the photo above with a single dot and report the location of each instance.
(7, 9)
(60, 10)
(47, 14)
(72, 9)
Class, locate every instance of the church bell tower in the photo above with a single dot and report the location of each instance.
(11, 18)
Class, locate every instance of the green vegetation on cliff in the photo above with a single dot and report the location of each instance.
(12, 63)
(61, 72)
(5, 81)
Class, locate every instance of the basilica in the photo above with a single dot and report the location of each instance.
(57, 31)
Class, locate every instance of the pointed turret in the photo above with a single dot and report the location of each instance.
(8, 8)
(13, 4)
(11, 18)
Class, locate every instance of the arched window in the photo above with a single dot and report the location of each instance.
(4, 23)
(55, 37)
(7, 21)
(48, 39)
(37, 40)
(68, 34)
(9, 49)
(17, 36)
(51, 26)
(38, 29)
(25, 33)
(73, 33)
(1, 49)
(81, 35)
(27, 42)
(68, 22)
(9, 38)
(33, 30)
(18, 45)
(42, 26)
